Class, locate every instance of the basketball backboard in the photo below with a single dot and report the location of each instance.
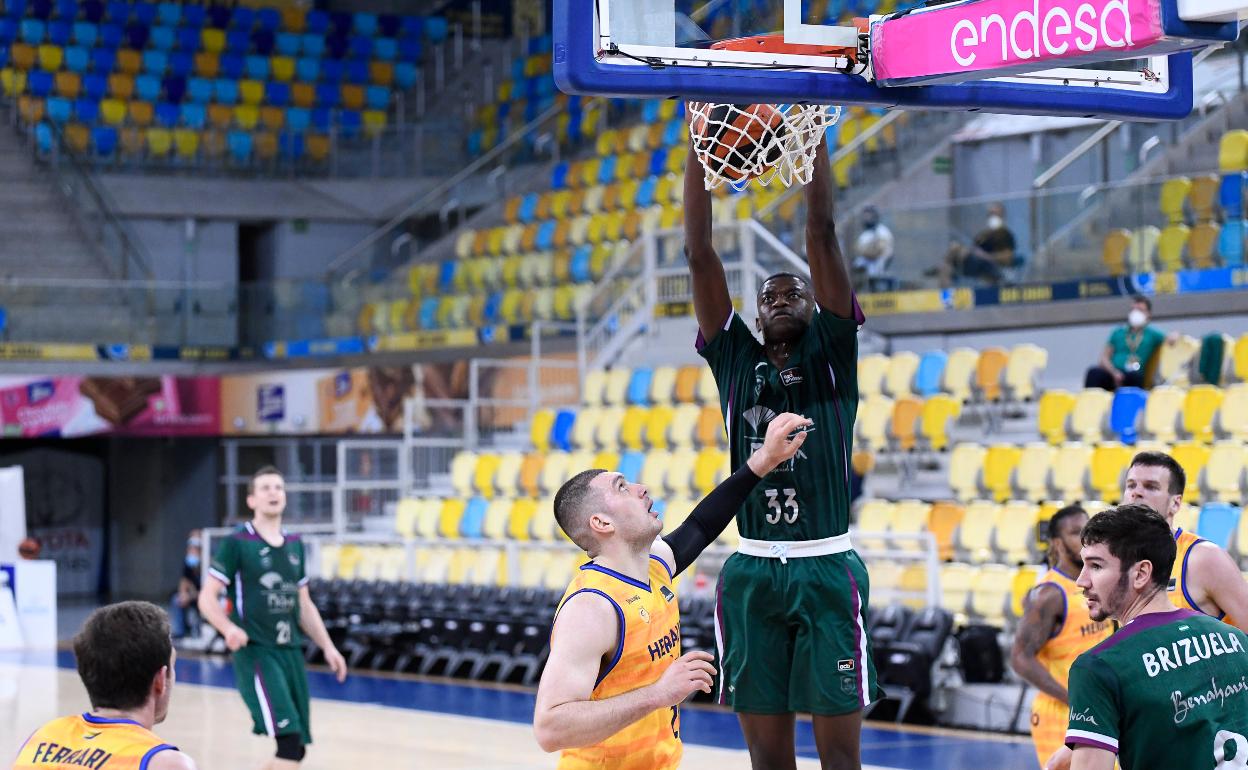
(1096, 58)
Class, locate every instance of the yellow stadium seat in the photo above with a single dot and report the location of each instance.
(1015, 533)
(965, 463)
(1174, 194)
(899, 376)
(1233, 152)
(13, 81)
(51, 57)
(998, 470)
(959, 371)
(874, 415)
(1055, 406)
(1175, 359)
(586, 426)
(1233, 416)
(955, 589)
(1170, 246)
(709, 430)
(1089, 415)
(554, 472)
(1031, 478)
(687, 378)
(1203, 197)
(449, 517)
(497, 514)
(1162, 412)
(1192, 457)
(1202, 245)
(483, 474)
(463, 469)
(1107, 468)
(593, 387)
(539, 429)
(988, 371)
(375, 122)
(186, 143)
(507, 475)
(633, 428)
(904, 424)
(663, 385)
(211, 39)
(283, 68)
(1069, 470)
(1223, 479)
(708, 391)
(246, 116)
(1187, 517)
(520, 521)
(1023, 580)
(531, 467)
(159, 142)
(1200, 407)
(909, 518)
(349, 558)
(251, 91)
(708, 470)
(684, 423)
(113, 111)
(875, 516)
(406, 513)
(943, 520)
(654, 472)
(1114, 251)
(1023, 370)
(939, 413)
(871, 372)
(990, 593)
(658, 420)
(607, 432)
(1143, 250)
(679, 479)
(617, 385)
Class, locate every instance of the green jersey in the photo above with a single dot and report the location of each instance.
(806, 498)
(265, 582)
(1168, 690)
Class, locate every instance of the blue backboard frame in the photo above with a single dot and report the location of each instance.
(578, 70)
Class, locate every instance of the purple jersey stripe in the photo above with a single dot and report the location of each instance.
(1143, 623)
(1083, 741)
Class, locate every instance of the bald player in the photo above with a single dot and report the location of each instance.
(1204, 577)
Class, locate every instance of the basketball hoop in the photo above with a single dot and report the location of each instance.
(738, 142)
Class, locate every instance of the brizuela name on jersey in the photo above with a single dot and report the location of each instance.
(1188, 651)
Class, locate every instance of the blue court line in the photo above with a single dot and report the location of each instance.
(701, 726)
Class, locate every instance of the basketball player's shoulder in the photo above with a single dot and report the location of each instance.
(171, 759)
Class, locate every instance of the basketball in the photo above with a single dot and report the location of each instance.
(728, 137)
(29, 548)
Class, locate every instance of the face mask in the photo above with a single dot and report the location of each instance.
(1136, 318)
(995, 222)
(192, 560)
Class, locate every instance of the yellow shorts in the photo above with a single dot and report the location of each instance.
(1049, 718)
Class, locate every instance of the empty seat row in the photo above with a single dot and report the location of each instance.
(1166, 413)
(992, 374)
(481, 311)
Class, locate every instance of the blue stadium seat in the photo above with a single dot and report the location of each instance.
(528, 208)
(405, 75)
(103, 59)
(336, 46)
(357, 71)
(87, 110)
(39, 83)
(559, 176)
(167, 114)
(313, 45)
(385, 49)
(163, 37)
(239, 143)
(333, 70)
(472, 522)
(1231, 194)
(290, 145)
(674, 133)
(493, 306)
(361, 47)
(189, 39)
(606, 170)
(238, 41)
(41, 9)
(104, 140)
(1218, 523)
(147, 88)
(199, 90)
(350, 122)
(561, 431)
(578, 267)
(475, 139)
(658, 162)
(33, 31)
(59, 33)
(263, 41)
(1231, 243)
(175, 88)
(118, 11)
(317, 22)
(446, 276)
(111, 36)
(8, 31)
(276, 93)
(308, 69)
(378, 97)
(43, 138)
(1125, 412)
(232, 65)
(77, 59)
(268, 18)
(15, 8)
(143, 13)
(546, 235)
(194, 16)
(429, 313)
(169, 14)
(193, 115)
(226, 90)
(218, 16)
(59, 110)
(645, 193)
(86, 33)
(181, 63)
(327, 95)
(639, 385)
(364, 24)
(340, 23)
(137, 35)
(410, 49)
(257, 67)
(650, 111)
(436, 29)
(242, 18)
(412, 27)
(155, 62)
(388, 25)
(322, 119)
(298, 119)
(288, 44)
(67, 9)
(931, 368)
(94, 85)
(630, 465)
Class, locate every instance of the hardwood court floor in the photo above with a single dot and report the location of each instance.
(376, 723)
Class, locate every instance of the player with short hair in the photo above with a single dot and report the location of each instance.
(1054, 630)
(784, 650)
(266, 569)
(611, 690)
(125, 659)
(1167, 690)
(1205, 577)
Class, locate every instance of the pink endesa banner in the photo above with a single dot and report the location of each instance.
(1000, 37)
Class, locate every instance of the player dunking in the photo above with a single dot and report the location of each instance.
(793, 602)
(266, 569)
(1205, 577)
(125, 659)
(611, 690)
(1055, 629)
(1170, 688)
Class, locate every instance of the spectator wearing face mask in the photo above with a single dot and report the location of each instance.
(183, 614)
(991, 250)
(873, 253)
(1128, 350)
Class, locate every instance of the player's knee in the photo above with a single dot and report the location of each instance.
(290, 747)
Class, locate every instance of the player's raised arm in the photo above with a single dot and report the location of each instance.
(712, 304)
(829, 275)
(1041, 615)
(586, 632)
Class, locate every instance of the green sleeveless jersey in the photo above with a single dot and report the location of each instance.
(806, 498)
(264, 584)
(1169, 690)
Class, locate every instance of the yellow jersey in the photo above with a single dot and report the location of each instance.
(649, 641)
(85, 740)
(1184, 542)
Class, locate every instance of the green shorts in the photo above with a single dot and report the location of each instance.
(792, 635)
(274, 685)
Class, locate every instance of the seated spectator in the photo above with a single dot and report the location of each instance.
(183, 612)
(873, 254)
(991, 250)
(1128, 351)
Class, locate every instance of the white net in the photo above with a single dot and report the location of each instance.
(737, 143)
